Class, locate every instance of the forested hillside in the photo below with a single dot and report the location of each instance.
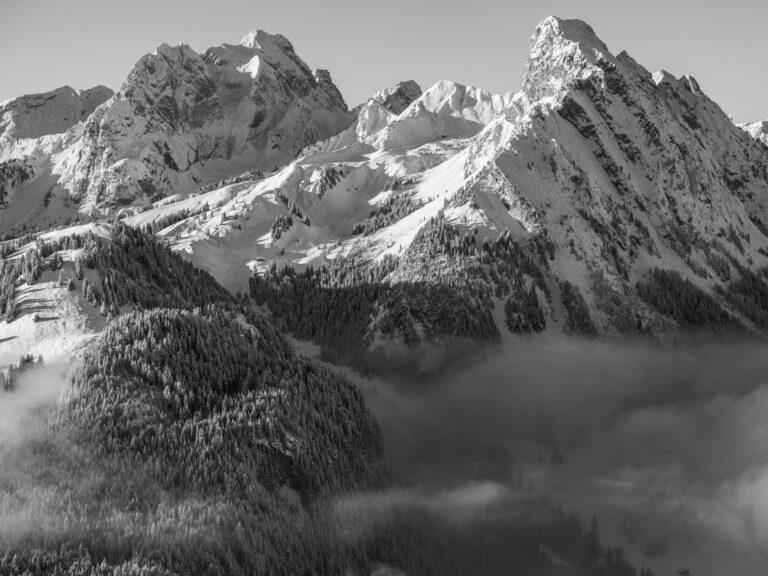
(262, 413)
(191, 442)
(442, 288)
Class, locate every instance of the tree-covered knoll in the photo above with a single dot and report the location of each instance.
(212, 403)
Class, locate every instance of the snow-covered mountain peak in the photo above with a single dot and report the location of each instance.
(446, 110)
(259, 39)
(447, 98)
(179, 110)
(250, 39)
(562, 52)
(558, 35)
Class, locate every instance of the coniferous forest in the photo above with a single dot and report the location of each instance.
(441, 288)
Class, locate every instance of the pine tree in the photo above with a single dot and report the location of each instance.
(593, 539)
(56, 261)
(10, 310)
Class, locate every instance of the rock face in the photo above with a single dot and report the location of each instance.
(615, 170)
(180, 120)
(35, 127)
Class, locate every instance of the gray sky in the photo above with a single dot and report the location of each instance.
(369, 45)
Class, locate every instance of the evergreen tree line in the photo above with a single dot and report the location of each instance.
(749, 295)
(293, 208)
(13, 173)
(259, 412)
(331, 176)
(577, 317)
(246, 176)
(502, 268)
(170, 219)
(28, 268)
(679, 299)
(394, 209)
(443, 286)
(282, 223)
(136, 270)
(30, 265)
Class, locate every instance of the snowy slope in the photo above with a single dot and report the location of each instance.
(51, 320)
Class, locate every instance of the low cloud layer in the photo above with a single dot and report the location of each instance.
(667, 444)
(21, 409)
(474, 502)
(24, 411)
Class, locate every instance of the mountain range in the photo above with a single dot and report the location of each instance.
(597, 170)
(224, 200)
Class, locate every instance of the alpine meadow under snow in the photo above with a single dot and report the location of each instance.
(249, 329)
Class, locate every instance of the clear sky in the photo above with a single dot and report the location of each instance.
(368, 45)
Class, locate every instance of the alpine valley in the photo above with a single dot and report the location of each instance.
(224, 267)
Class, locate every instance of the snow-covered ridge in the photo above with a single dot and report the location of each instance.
(562, 52)
(446, 110)
(53, 112)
